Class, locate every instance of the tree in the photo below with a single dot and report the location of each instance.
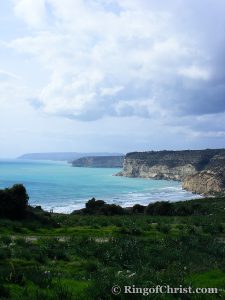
(13, 202)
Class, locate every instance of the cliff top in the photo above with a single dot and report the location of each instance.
(200, 159)
(181, 153)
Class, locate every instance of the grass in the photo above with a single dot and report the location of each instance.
(212, 278)
(83, 256)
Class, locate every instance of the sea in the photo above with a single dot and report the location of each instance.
(60, 187)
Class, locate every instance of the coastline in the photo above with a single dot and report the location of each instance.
(126, 205)
(58, 186)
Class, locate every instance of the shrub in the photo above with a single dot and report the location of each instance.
(5, 253)
(6, 240)
(55, 249)
(132, 230)
(16, 277)
(159, 208)
(13, 202)
(63, 293)
(4, 292)
(164, 228)
(111, 209)
(188, 209)
(91, 266)
(95, 207)
(92, 206)
(138, 209)
(40, 277)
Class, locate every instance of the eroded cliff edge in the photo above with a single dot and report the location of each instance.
(201, 171)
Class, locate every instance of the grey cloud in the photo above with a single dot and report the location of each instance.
(168, 57)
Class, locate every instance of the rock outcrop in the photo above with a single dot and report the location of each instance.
(201, 171)
(99, 162)
(205, 182)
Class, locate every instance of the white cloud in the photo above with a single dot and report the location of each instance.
(91, 52)
(208, 134)
(195, 72)
(148, 74)
(110, 91)
(113, 57)
(32, 12)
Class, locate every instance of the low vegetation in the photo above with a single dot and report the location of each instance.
(82, 255)
(13, 202)
(163, 208)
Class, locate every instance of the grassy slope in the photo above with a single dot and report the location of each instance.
(82, 257)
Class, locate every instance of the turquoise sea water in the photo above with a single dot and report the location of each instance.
(63, 188)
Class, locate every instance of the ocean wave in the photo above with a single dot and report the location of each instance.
(64, 189)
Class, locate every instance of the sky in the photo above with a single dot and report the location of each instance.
(111, 75)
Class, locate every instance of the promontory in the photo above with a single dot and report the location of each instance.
(99, 162)
(201, 171)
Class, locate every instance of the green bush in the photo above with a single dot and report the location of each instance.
(62, 292)
(159, 208)
(4, 292)
(6, 240)
(138, 209)
(13, 202)
(111, 210)
(130, 230)
(5, 253)
(99, 207)
(41, 277)
(164, 228)
(93, 206)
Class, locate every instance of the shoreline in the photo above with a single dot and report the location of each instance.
(69, 188)
(57, 210)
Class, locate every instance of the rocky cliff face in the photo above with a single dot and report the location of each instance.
(99, 162)
(205, 182)
(201, 171)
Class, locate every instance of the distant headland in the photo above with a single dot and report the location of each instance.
(99, 162)
(64, 156)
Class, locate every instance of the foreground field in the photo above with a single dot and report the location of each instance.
(57, 256)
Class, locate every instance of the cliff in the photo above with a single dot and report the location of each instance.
(99, 162)
(201, 171)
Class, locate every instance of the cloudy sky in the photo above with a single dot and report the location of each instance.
(111, 75)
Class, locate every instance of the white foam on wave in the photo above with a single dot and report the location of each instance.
(126, 200)
(168, 193)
